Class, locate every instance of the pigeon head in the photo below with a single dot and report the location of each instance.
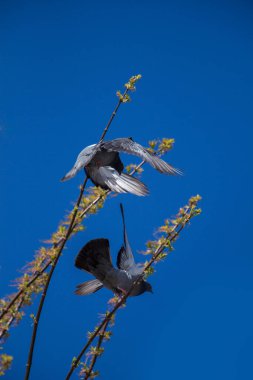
(148, 287)
(141, 288)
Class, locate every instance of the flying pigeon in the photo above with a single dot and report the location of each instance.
(95, 258)
(104, 167)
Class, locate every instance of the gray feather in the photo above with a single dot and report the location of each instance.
(95, 258)
(120, 183)
(88, 287)
(125, 258)
(83, 159)
(129, 146)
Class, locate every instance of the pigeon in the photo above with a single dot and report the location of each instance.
(104, 167)
(95, 258)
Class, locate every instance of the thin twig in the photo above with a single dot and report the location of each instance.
(39, 273)
(96, 354)
(12, 318)
(21, 291)
(32, 280)
(55, 260)
(42, 300)
(123, 299)
(113, 114)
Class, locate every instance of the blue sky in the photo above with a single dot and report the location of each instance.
(60, 65)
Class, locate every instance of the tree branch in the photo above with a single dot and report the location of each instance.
(68, 233)
(171, 235)
(122, 99)
(165, 145)
(11, 319)
(88, 371)
(46, 266)
(54, 263)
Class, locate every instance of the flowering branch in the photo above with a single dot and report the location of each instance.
(36, 279)
(159, 250)
(54, 263)
(12, 318)
(96, 352)
(68, 233)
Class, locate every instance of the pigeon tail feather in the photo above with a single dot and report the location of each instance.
(88, 287)
(132, 185)
(122, 183)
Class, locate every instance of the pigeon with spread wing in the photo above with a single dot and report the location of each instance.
(104, 167)
(95, 258)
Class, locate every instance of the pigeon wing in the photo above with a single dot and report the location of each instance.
(95, 258)
(127, 145)
(83, 159)
(125, 258)
(124, 263)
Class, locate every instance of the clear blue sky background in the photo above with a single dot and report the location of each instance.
(61, 63)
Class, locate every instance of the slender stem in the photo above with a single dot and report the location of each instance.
(21, 291)
(113, 115)
(95, 356)
(54, 263)
(32, 280)
(38, 274)
(123, 299)
(93, 203)
(55, 260)
(12, 317)
(90, 340)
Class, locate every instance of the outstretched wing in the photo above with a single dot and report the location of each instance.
(83, 159)
(125, 259)
(95, 258)
(127, 145)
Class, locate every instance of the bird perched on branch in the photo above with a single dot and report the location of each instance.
(95, 258)
(104, 167)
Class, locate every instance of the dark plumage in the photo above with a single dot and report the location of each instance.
(95, 258)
